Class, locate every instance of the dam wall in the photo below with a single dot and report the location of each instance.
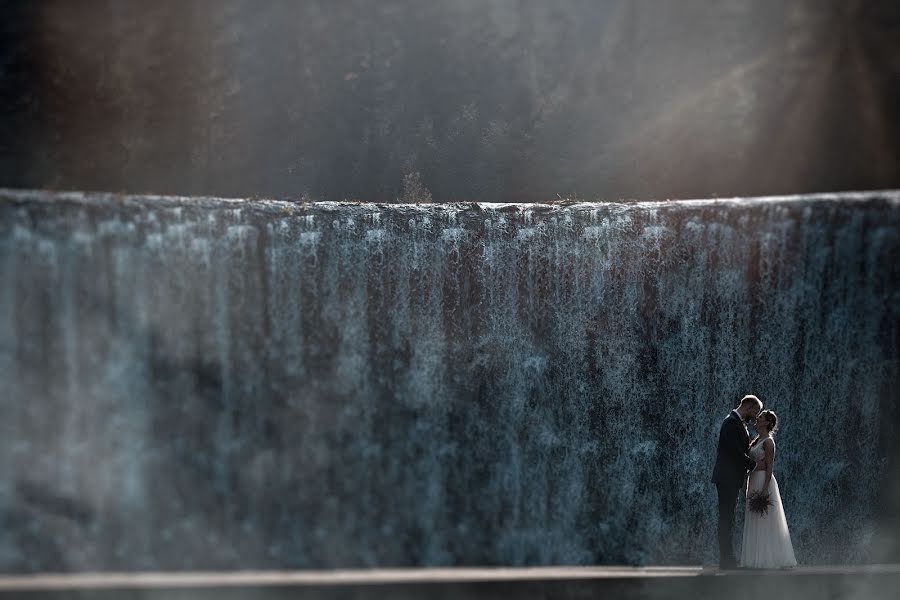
(199, 383)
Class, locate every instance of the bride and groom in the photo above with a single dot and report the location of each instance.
(766, 542)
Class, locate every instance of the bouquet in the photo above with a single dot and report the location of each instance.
(759, 503)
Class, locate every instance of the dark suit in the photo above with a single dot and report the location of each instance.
(732, 465)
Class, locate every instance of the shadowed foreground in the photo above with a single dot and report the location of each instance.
(875, 581)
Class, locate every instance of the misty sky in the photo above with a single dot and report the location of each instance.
(454, 100)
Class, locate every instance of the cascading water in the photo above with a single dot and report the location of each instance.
(203, 383)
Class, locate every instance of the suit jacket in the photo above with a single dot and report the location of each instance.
(733, 461)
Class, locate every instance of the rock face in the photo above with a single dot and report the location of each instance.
(205, 383)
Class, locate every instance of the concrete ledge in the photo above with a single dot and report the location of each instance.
(873, 581)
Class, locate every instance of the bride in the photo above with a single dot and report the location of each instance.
(767, 541)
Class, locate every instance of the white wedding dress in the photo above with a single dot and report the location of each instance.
(767, 541)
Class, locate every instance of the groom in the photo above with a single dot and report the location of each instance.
(732, 465)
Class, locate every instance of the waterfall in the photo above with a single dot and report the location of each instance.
(198, 383)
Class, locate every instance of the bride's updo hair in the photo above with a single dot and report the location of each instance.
(771, 418)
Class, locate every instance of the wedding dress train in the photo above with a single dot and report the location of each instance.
(767, 541)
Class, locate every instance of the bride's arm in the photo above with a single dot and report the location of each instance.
(768, 459)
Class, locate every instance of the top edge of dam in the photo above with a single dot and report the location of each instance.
(106, 199)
